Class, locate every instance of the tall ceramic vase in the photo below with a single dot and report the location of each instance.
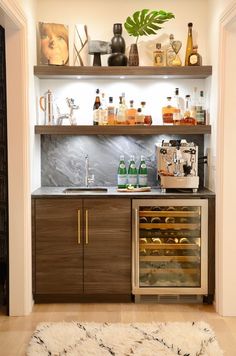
(133, 55)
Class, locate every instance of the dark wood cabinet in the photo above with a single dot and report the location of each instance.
(82, 249)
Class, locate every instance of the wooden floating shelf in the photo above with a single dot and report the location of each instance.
(123, 130)
(69, 72)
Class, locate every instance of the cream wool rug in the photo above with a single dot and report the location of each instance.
(136, 339)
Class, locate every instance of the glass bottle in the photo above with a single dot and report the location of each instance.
(177, 109)
(139, 117)
(170, 53)
(189, 46)
(147, 117)
(121, 113)
(122, 173)
(142, 173)
(158, 55)
(132, 173)
(111, 117)
(103, 120)
(188, 119)
(167, 112)
(195, 59)
(96, 106)
(131, 113)
(200, 110)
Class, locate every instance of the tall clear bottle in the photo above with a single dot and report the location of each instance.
(201, 110)
(142, 173)
(131, 113)
(170, 53)
(189, 46)
(132, 173)
(111, 115)
(121, 113)
(122, 173)
(103, 115)
(96, 106)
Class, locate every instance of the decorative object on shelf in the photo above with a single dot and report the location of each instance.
(170, 53)
(176, 45)
(53, 47)
(118, 57)
(98, 48)
(46, 104)
(189, 46)
(80, 47)
(72, 106)
(195, 59)
(158, 55)
(133, 55)
(144, 23)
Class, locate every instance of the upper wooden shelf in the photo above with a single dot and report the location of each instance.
(68, 72)
(123, 130)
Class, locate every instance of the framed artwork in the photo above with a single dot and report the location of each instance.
(53, 44)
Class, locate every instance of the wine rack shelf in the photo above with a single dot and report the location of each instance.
(70, 72)
(123, 130)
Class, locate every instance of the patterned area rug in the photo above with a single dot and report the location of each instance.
(146, 339)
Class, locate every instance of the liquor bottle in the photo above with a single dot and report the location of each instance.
(122, 173)
(142, 173)
(96, 106)
(121, 113)
(195, 59)
(177, 109)
(170, 53)
(189, 47)
(158, 55)
(103, 120)
(200, 110)
(131, 113)
(147, 116)
(132, 173)
(139, 117)
(188, 119)
(167, 112)
(111, 116)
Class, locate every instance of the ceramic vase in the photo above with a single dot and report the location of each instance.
(133, 55)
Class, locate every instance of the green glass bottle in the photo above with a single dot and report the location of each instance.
(132, 173)
(142, 173)
(122, 173)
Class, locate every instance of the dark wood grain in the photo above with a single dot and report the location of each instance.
(107, 256)
(59, 257)
(123, 130)
(33, 243)
(83, 298)
(53, 72)
(211, 246)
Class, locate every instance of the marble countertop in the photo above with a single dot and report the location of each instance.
(49, 192)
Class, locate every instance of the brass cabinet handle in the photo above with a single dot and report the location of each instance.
(86, 227)
(79, 227)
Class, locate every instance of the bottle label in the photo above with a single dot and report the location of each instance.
(132, 165)
(143, 165)
(142, 180)
(122, 166)
(132, 179)
(122, 180)
(193, 59)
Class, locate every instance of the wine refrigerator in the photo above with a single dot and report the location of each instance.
(170, 247)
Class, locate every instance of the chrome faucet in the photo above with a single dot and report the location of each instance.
(89, 178)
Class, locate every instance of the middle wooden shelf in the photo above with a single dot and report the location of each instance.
(123, 130)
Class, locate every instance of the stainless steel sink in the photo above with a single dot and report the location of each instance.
(77, 190)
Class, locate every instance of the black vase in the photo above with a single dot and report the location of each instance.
(118, 57)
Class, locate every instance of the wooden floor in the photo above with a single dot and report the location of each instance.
(15, 332)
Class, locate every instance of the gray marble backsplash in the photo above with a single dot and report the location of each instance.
(63, 157)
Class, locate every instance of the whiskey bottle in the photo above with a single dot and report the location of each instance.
(131, 113)
(96, 105)
(122, 173)
(121, 113)
(139, 117)
(147, 116)
(111, 116)
(167, 112)
(103, 120)
(170, 53)
(195, 59)
(158, 56)
(188, 119)
(189, 47)
(132, 173)
(177, 109)
(142, 173)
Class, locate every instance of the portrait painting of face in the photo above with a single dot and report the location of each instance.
(53, 44)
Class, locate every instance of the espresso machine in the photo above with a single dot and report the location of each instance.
(177, 165)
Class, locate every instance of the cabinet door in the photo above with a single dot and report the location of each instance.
(59, 246)
(107, 248)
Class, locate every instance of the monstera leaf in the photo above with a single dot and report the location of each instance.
(146, 22)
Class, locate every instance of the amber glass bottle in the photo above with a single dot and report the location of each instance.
(189, 47)
(195, 59)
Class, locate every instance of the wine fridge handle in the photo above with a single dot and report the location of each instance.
(79, 227)
(136, 251)
(86, 227)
